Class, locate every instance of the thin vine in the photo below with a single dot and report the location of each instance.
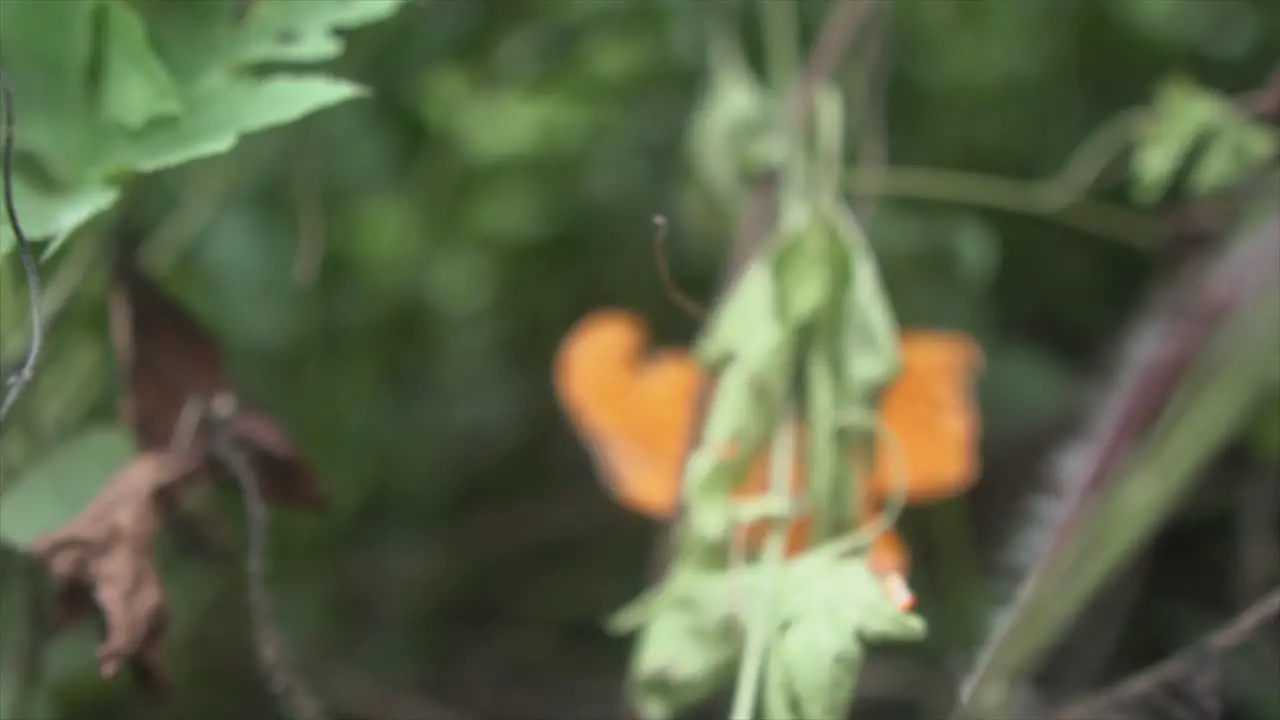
(18, 381)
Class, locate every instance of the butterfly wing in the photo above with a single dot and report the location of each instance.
(932, 414)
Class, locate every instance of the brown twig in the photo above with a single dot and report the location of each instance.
(1168, 670)
(274, 654)
(660, 258)
(873, 151)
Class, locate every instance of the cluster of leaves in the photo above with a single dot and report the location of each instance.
(1187, 119)
(105, 90)
(809, 304)
(109, 89)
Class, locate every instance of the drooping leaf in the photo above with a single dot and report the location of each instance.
(164, 356)
(804, 278)
(686, 651)
(104, 557)
(732, 116)
(173, 375)
(836, 607)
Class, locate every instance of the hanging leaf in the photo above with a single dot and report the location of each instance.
(173, 374)
(687, 650)
(104, 557)
(733, 116)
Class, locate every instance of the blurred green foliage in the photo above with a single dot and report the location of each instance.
(391, 278)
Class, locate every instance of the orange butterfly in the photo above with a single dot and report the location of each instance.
(634, 409)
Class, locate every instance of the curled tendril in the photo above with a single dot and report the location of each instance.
(18, 381)
(682, 299)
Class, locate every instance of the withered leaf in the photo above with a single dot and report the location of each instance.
(284, 476)
(104, 557)
(170, 363)
(164, 356)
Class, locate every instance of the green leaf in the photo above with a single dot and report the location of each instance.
(731, 123)
(1182, 116)
(871, 332)
(301, 32)
(52, 215)
(45, 48)
(136, 87)
(803, 268)
(220, 114)
(173, 86)
(688, 648)
(62, 484)
(747, 327)
(1233, 153)
(834, 606)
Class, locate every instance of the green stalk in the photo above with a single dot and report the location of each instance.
(746, 691)
(1216, 400)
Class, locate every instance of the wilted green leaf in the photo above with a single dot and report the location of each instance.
(834, 606)
(686, 652)
(730, 123)
(60, 485)
(804, 273)
(872, 331)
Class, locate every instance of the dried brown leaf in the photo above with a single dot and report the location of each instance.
(284, 476)
(170, 365)
(104, 557)
(165, 357)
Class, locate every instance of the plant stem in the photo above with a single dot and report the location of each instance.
(1035, 197)
(1061, 195)
(760, 627)
(1212, 402)
(781, 35)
